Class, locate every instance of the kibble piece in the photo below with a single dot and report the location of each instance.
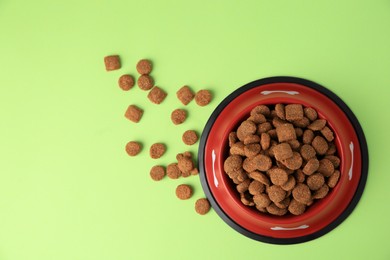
(298, 131)
(194, 171)
(326, 167)
(178, 116)
(276, 193)
(144, 66)
(276, 121)
(272, 134)
(257, 118)
(190, 137)
(317, 125)
(251, 139)
(261, 200)
(333, 179)
(294, 112)
(157, 172)
(157, 95)
(307, 152)
(284, 203)
(133, 148)
(232, 138)
(261, 109)
(331, 150)
(238, 149)
(327, 133)
(296, 208)
(290, 184)
(248, 165)
(264, 128)
(282, 151)
(286, 132)
(145, 82)
(185, 95)
(185, 164)
(246, 128)
(112, 62)
(315, 181)
(304, 122)
(334, 159)
(256, 187)
(251, 150)
(243, 186)
(203, 97)
(183, 191)
(278, 176)
(173, 171)
(311, 166)
(294, 144)
(265, 141)
(293, 163)
(299, 176)
(247, 199)
(302, 193)
(310, 113)
(126, 82)
(202, 206)
(308, 136)
(241, 175)
(157, 150)
(320, 145)
(260, 177)
(134, 113)
(321, 192)
(262, 162)
(274, 210)
(279, 109)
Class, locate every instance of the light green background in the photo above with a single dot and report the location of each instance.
(67, 188)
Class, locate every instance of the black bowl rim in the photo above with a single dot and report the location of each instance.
(364, 159)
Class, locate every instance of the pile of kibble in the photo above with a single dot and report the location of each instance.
(282, 158)
(184, 165)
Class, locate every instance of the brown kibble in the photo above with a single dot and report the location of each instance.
(185, 95)
(232, 138)
(311, 166)
(257, 118)
(308, 136)
(203, 97)
(276, 193)
(307, 152)
(278, 176)
(256, 187)
(283, 204)
(178, 116)
(279, 109)
(261, 109)
(293, 163)
(202, 206)
(144, 66)
(286, 132)
(302, 193)
(331, 150)
(133, 148)
(241, 175)
(327, 133)
(134, 113)
(126, 82)
(296, 208)
(321, 192)
(262, 162)
(157, 150)
(294, 144)
(264, 128)
(260, 177)
(232, 163)
(276, 121)
(320, 145)
(290, 184)
(238, 149)
(185, 164)
(299, 176)
(157, 95)
(326, 167)
(246, 128)
(315, 181)
(183, 191)
(248, 165)
(251, 139)
(112, 62)
(317, 125)
(303, 123)
(247, 199)
(265, 141)
(282, 151)
(298, 131)
(243, 186)
(157, 173)
(261, 200)
(294, 112)
(173, 171)
(334, 159)
(190, 137)
(310, 113)
(145, 82)
(333, 179)
(251, 150)
(274, 210)
(194, 171)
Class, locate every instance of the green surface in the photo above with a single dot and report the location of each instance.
(67, 188)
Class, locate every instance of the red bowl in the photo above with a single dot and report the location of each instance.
(323, 215)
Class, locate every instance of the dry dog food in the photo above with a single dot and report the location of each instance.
(202, 206)
(157, 150)
(203, 97)
(157, 95)
(178, 116)
(144, 67)
(112, 62)
(173, 171)
(183, 191)
(134, 113)
(282, 158)
(133, 148)
(190, 137)
(157, 172)
(145, 82)
(126, 82)
(185, 95)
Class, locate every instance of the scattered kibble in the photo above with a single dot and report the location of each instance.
(134, 113)
(202, 206)
(185, 95)
(126, 82)
(157, 95)
(183, 191)
(157, 173)
(203, 97)
(145, 82)
(190, 137)
(112, 62)
(178, 116)
(133, 148)
(157, 150)
(144, 67)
